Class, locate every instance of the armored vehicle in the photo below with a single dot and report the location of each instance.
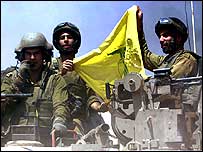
(160, 113)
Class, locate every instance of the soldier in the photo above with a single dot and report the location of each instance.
(33, 76)
(172, 34)
(67, 39)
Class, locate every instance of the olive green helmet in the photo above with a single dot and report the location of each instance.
(34, 39)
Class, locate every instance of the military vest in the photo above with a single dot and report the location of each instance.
(168, 62)
(38, 106)
(76, 86)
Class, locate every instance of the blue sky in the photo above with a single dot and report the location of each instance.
(95, 19)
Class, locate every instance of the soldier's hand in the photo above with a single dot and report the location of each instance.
(59, 124)
(23, 78)
(67, 66)
(100, 107)
(104, 107)
(24, 70)
(139, 20)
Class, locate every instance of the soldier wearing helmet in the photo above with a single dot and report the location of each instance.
(172, 34)
(31, 40)
(67, 40)
(34, 76)
(73, 31)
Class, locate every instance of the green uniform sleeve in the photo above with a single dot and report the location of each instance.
(8, 105)
(184, 66)
(93, 97)
(150, 60)
(7, 85)
(60, 97)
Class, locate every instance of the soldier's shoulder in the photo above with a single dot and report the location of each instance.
(8, 71)
(190, 54)
(186, 55)
(55, 77)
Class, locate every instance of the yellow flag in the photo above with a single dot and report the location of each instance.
(118, 55)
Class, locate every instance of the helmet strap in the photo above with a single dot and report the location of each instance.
(20, 56)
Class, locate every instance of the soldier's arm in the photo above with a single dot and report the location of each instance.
(60, 97)
(150, 60)
(95, 102)
(8, 87)
(184, 66)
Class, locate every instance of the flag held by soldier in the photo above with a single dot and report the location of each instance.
(118, 55)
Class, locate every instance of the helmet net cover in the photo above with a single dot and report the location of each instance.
(174, 24)
(31, 40)
(70, 28)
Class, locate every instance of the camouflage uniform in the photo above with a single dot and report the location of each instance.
(183, 63)
(21, 111)
(49, 95)
(88, 118)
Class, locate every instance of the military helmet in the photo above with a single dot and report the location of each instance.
(34, 39)
(69, 27)
(174, 24)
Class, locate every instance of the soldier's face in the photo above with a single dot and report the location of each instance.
(66, 41)
(167, 41)
(35, 56)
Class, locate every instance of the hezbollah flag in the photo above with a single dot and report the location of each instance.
(118, 55)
